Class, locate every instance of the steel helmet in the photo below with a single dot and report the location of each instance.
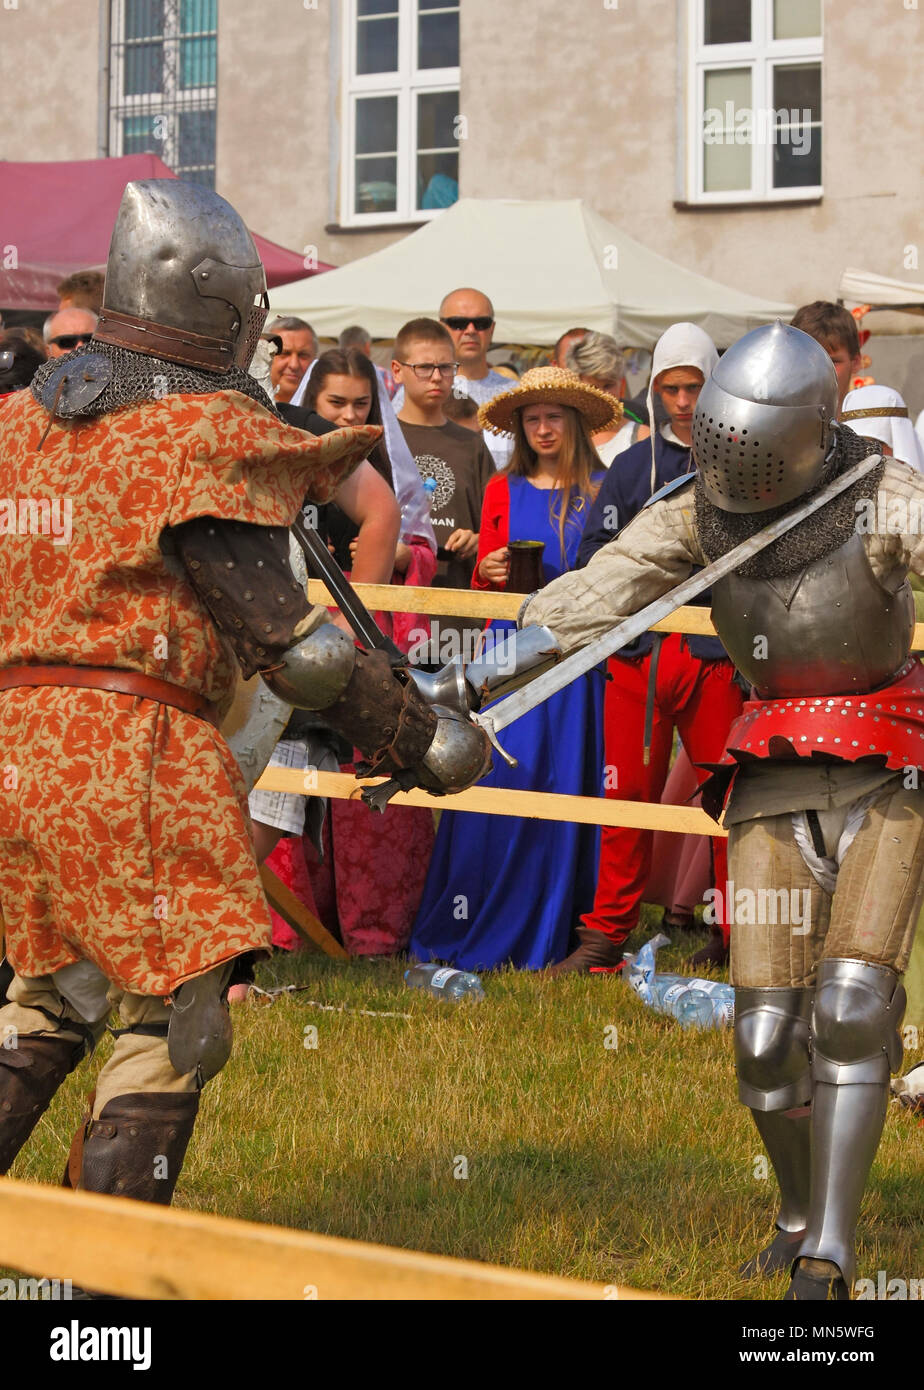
(183, 278)
(762, 428)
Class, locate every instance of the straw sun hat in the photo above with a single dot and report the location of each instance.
(551, 386)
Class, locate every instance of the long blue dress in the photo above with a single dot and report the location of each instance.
(504, 889)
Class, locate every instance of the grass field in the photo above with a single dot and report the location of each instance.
(628, 1164)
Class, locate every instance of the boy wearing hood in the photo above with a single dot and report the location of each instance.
(660, 682)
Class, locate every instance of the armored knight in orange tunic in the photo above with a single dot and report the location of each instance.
(146, 490)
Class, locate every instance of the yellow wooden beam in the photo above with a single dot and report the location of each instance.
(472, 603)
(498, 801)
(475, 603)
(138, 1250)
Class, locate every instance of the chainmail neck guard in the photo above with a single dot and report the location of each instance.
(136, 376)
(826, 530)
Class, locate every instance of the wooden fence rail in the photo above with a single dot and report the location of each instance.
(114, 1245)
(497, 801)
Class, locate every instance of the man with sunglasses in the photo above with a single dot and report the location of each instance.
(67, 330)
(469, 316)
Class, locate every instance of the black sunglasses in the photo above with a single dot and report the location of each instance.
(69, 341)
(458, 323)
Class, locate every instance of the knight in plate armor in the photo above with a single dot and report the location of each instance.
(147, 487)
(820, 778)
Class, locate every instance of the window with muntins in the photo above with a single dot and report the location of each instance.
(754, 103)
(401, 127)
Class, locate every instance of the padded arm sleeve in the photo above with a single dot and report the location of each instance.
(241, 574)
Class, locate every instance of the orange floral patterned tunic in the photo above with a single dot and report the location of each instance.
(124, 835)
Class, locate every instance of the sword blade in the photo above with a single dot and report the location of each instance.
(548, 684)
(348, 601)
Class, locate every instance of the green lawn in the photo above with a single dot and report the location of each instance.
(631, 1164)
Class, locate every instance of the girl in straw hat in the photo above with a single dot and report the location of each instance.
(523, 883)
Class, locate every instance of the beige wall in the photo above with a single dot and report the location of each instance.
(590, 110)
(278, 97)
(570, 100)
(49, 56)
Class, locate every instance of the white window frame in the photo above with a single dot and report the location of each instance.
(761, 55)
(174, 100)
(407, 83)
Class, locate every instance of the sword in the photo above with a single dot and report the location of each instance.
(555, 679)
(348, 601)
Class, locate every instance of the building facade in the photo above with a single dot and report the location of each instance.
(764, 143)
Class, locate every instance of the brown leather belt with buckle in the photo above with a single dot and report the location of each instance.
(112, 678)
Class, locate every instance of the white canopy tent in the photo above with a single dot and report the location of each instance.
(863, 287)
(547, 266)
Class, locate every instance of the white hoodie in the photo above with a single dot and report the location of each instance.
(681, 345)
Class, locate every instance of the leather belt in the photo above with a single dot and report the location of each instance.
(112, 678)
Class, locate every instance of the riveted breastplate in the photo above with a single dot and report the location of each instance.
(830, 628)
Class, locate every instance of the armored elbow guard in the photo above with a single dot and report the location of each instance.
(359, 695)
(384, 716)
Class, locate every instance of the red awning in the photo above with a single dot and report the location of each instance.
(58, 218)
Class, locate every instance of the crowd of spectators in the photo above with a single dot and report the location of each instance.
(473, 460)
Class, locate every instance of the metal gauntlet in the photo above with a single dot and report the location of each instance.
(515, 659)
(387, 718)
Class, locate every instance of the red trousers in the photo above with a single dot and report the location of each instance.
(699, 698)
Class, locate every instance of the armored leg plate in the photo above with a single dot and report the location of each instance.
(199, 1035)
(855, 1041)
(137, 1146)
(772, 1047)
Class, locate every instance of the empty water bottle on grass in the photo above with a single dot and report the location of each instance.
(695, 1003)
(694, 1009)
(444, 982)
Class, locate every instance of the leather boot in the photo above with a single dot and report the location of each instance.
(597, 954)
(136, 1147)
(30, 1073)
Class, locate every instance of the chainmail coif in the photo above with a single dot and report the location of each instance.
(819, 534)
(136, 376)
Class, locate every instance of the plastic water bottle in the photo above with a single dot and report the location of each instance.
(429, 487)
(694, 1002)
(664, 989)
(701, 1009)
(444, 982)
(694, 1010)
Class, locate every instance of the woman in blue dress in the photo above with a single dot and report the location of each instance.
(504, 889)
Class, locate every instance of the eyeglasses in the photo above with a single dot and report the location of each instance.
(68, 341)
(458, 323)
(424, 370)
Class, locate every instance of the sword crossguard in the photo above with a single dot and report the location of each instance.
(487, 723)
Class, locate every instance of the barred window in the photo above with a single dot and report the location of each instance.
(163, 83)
